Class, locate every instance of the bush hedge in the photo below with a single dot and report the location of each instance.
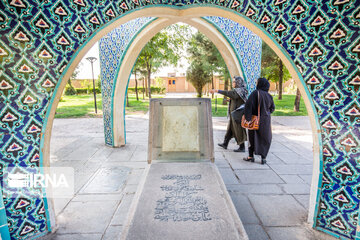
(73, 91)
(159, 90)
(78, 91)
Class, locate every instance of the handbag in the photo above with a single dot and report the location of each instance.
(253, 124)
(238, 113)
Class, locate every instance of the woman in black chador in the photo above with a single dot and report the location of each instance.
(238, 96)
(260, 140)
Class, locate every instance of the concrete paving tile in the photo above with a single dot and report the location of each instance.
(255, 232)
(291, 145)
(83, 153)
(72, 146)
(222, 163)
(60, 204)
(112, 233)
(130, 188)
(219, 156)
(286, 233)
(272, 159)
(122, 154)
(292, 169)
(239, 163)
(132, 165)
(102, 154)
(97, 197)
(139, 156)
(258, 176)
(278, 210)
(295, 188)
(303, 200)
(292, 158)
(89, 236)
(228, 176)
(255, 188)
(83, 217)
(278, 147)
(107, 180)
(306, 177)
(120, 215)
(244, 209)
(291, 178)
(135, 176)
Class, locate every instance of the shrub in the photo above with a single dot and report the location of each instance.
(158, 90)
(87, 90)
(70, 90)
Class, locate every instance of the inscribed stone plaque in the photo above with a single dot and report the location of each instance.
(180, 129)
(183, 201)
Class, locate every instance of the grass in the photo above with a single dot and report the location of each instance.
(284, 107)
(83, 106)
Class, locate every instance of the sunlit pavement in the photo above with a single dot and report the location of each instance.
(272, 200)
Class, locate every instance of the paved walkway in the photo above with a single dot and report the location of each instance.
(271, 200)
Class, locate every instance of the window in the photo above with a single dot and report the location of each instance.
(169, 82)
(174, 82)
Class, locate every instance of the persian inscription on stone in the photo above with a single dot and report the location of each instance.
(181, 202)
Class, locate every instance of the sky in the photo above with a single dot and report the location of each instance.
(85, 66)
(85, 69)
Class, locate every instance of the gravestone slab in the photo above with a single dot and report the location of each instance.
(182, 195)
(184, 201)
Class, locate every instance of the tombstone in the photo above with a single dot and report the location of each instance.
(182, 195)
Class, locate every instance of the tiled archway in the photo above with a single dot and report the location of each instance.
(40, 39)
(120, 48)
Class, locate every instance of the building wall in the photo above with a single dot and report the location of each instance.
(181, 85)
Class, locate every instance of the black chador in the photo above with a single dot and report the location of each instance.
(260, 140)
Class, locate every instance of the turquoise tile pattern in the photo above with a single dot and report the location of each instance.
(40, 39)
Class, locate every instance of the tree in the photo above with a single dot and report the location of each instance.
(70, 90)
(163, 49)
(273, 69)
(198, 75)
(203, 52)
(297, 100)
(200, 47)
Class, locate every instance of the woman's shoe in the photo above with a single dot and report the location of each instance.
(223, 145)
(240, 149)
(248, 159)
(263, 161)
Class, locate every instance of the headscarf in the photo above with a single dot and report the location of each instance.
(263, 84)
(240, 88)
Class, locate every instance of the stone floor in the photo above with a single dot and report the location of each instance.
(271, 200)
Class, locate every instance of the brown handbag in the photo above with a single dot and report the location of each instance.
(253, 124)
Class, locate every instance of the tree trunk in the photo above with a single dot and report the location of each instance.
(136, 89)
(281, 76)
(127, 100)
(143, 90)
(149, 82)
(212, 83)
(297, 100)
(226, 87)
(149, 78)
(146, 89)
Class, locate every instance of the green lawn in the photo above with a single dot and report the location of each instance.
(284, 107)
(83, 106)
